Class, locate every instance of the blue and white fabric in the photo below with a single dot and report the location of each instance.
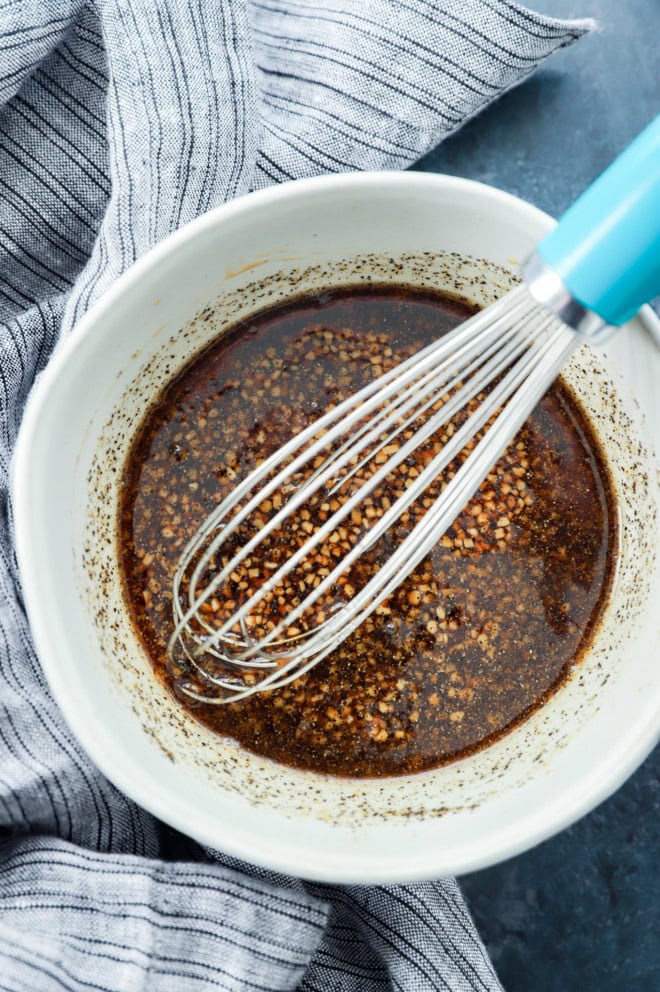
(120, 120)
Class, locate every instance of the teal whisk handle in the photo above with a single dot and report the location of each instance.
(606, 247)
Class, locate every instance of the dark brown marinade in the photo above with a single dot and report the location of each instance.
(487, 628)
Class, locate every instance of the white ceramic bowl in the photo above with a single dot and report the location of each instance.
(409, 228)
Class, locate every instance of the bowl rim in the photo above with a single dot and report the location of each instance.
(513, 837)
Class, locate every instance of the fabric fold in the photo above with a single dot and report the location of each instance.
(135, 924)
(376, 85)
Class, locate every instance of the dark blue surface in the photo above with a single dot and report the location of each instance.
(582, 911)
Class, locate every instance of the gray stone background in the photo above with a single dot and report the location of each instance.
(581, 911)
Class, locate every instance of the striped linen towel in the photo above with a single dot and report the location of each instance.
(120, 120)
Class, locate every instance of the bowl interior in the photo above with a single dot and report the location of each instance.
(426, 231)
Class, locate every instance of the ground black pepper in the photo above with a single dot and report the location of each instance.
(487, 627)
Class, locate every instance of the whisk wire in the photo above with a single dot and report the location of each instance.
(447, 410)
(517, 352)
(467, 336)
(535, 372)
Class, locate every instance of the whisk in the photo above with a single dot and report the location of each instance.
(591, 274)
